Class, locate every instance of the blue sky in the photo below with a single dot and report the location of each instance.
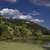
(28, 7)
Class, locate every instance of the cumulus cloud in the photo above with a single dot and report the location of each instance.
(8, 1)
(41, 2)
(16, 14)
(13, 13)
(22, 17)
(9, 12)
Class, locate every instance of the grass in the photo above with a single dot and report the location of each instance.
(18, 46)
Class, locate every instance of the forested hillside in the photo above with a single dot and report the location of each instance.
(17, 29)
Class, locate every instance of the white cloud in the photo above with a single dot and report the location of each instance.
(11, 0)
(41, 2)
(22, 17)
(16, 14)
(9, 12)
(37, 20)
(34, 13)
(25, 17)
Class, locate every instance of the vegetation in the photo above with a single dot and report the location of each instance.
(18, 29)
(18, 46)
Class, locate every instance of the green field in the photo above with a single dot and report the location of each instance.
(18, 46)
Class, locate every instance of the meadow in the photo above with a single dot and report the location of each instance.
(18, 46)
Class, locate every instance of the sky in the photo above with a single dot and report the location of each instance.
(34, 10)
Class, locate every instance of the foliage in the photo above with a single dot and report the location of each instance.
(20, 30)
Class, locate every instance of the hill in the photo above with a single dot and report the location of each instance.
(20, 29)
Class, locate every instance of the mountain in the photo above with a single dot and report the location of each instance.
(21, 29)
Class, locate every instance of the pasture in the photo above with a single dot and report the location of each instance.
(18, 46)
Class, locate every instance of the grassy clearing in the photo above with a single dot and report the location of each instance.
(18, 46)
